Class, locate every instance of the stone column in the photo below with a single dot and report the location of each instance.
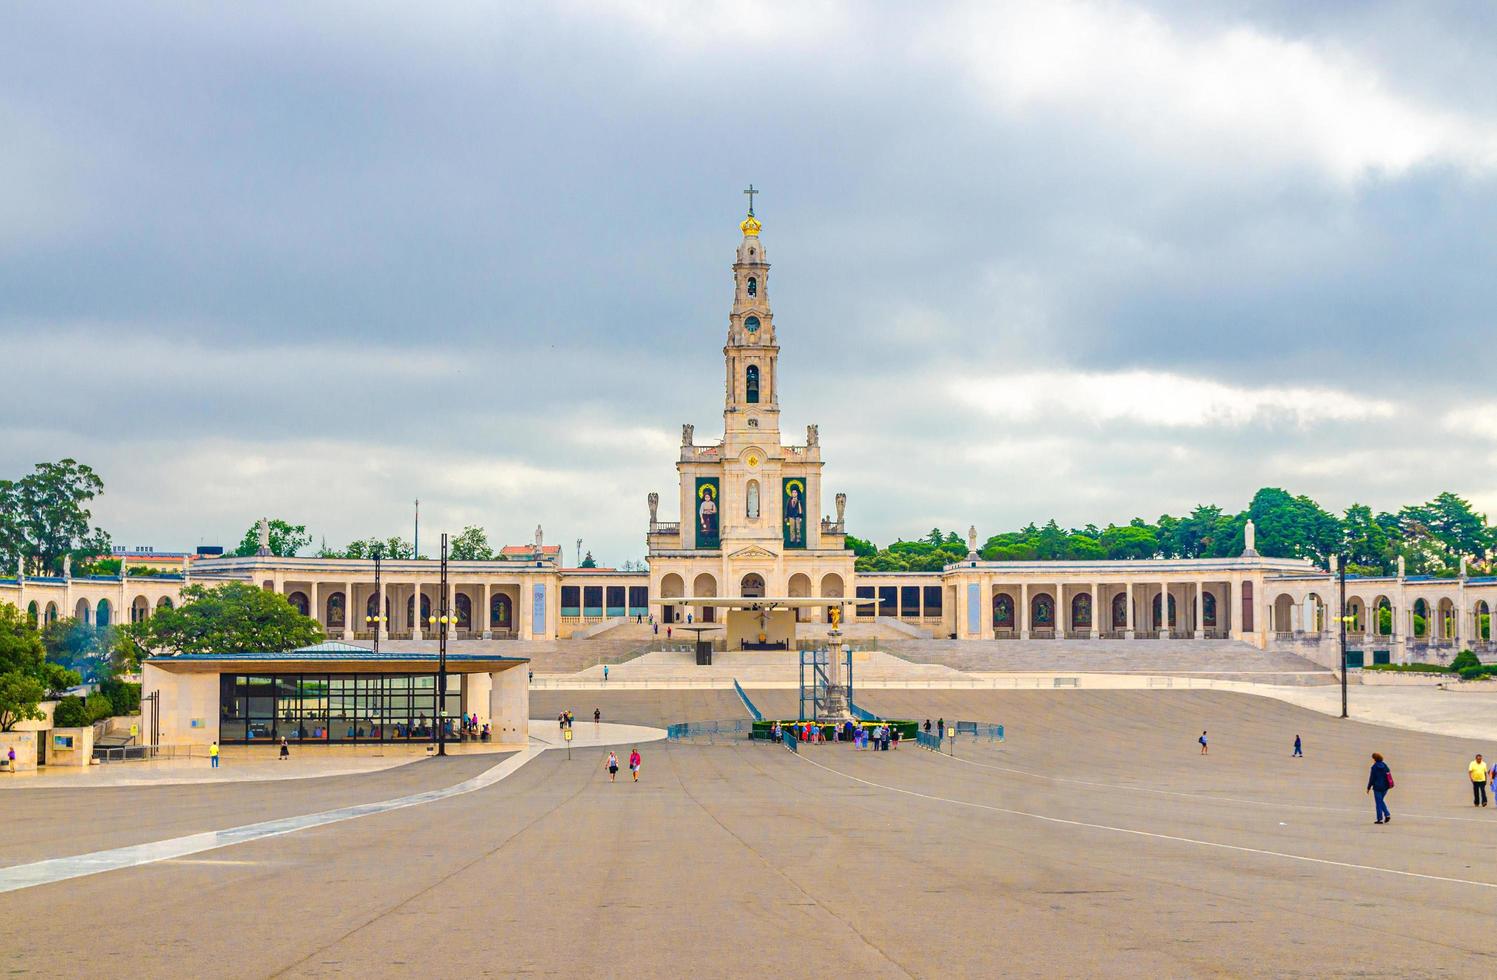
(481, 614)
(509, 705)
(1128, 633)
(1023, 610)
(1200, 632)
(416, 611)
(1096, 614)
(349, 608)
(1163, 626)
(382, 629)
(317, 612)
(1062, 621)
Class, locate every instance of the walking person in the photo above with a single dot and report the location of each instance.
(1202, 740)
(927, 726)
(634, 763)
(605, 673)
(597, 716)
(1478, 771)
(212, 755)
(612, 765)
(285, 749)
(1299, 752)
(1379, 781)
(10, 756)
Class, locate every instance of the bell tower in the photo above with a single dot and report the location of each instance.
(751, 410)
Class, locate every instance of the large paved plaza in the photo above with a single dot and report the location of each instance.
(1096, 840)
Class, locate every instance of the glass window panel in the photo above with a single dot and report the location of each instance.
(231, 730)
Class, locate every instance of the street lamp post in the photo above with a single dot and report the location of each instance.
(379, 603)
(1341, 566)
(444, 618)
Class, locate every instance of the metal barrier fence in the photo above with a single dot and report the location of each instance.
(787, 735)
(980, 729)
(145, 753)
(860, 713)
(758, 715)
(734, 729)
(928, 740)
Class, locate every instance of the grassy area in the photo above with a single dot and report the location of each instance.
(1411, 668)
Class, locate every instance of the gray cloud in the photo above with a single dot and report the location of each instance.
(322, 260)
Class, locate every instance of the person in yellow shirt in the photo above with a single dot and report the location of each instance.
(1478, 771)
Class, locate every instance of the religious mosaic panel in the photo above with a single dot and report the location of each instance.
(708, 504)
(793, 507)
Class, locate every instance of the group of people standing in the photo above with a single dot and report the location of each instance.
(882, 736)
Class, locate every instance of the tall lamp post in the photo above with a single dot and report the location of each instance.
(379, 602)
(442, 620)
(1341, 568)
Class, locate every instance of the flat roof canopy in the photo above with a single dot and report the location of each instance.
(334, 662)
(768, 602)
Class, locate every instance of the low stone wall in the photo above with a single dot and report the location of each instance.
(24, 742)
(1389, 678)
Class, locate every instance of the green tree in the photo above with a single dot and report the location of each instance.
(79, 646)
(861, 548)
(286, 539)
(44, 515)
(1293, 527)
(1135, 540)
(1365, 541)
(471, 545)
(389, 548)
(232, 618)
(934, 538)
(1444, 530)
(26, 676)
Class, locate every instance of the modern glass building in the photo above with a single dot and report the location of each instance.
(334, 693)
(374, 707)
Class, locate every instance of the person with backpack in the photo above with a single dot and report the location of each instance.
(1379, 781)
(1202, 740)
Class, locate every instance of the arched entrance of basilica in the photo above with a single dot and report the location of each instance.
(752, 586)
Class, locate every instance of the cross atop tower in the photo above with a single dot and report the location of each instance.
(751, 192)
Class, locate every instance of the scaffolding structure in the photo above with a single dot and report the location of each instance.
(825, 688)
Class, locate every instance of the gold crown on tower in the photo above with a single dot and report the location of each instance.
(750, 226)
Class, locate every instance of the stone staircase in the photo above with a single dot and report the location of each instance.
(1224, 658)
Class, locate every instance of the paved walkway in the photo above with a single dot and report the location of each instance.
(239, 765)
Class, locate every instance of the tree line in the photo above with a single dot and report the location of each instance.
(1431, 537)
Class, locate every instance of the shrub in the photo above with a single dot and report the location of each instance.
(1410, 668)
(1478, 672)
(1463, 660)
(98, 707)
(70, 713)
(124, 695)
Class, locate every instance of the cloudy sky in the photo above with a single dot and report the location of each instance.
(1081, 260)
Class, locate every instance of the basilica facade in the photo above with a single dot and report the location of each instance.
(755, 520)
(750, 505)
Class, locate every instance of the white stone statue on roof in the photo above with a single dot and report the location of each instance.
(264, 548)
(539, 537)
(67, 566)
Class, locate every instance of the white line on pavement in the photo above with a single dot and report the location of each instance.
(1145, 833)
(61, 869)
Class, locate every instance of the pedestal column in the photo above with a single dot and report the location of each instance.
(1096, 614)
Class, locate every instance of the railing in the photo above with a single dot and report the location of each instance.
(980, 729)
(146, 753)
(928, 740)
(742, 696)
(788, 737)
(733, 730)
(860, 713)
